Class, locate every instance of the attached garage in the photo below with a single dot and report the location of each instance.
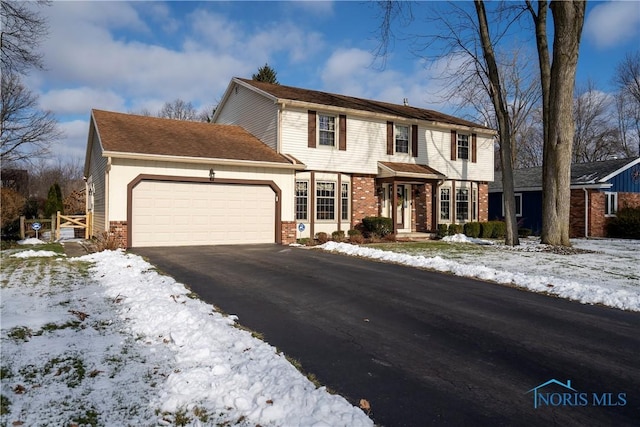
(162, 182)
(202, 213)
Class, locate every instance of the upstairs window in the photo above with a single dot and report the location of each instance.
(463, 147)
(402, 139)
(327, 128)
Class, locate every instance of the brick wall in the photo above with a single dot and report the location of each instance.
(420, 210)
(576, 213)
(597, 220)
(288, 232)
(364, 198)
(631, 200)
(483, 202)
(118, 231)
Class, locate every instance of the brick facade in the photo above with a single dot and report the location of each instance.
(483, 202)
(288, 232)
(420, 211)
(630, 200)
(118, 231)
(364, 198)
(597, 226)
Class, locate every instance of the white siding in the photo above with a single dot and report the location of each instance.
(123, 171)
(367, 145)
(255, 113)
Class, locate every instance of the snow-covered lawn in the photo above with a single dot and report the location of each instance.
(601, 271)
(105, 340)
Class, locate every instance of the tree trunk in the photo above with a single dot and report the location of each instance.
(504, 127)
(558, 80)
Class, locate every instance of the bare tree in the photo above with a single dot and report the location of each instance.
(596, 136)
(558, 76)
(178, 110)
(26, 131)
(22, 30)
(627, 78)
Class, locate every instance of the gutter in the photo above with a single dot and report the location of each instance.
(202, 160)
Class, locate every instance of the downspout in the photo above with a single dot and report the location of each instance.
(586, 212)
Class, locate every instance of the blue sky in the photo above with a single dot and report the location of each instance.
(130, 56)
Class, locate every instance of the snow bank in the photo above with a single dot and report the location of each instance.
(625, 299)
(218, 367)
(31, 241)
(463, 238)
(32, 254)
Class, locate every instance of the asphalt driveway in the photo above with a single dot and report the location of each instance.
(424, 348)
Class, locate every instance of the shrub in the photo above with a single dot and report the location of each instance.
(443, 230)
(377, 225)
(389, 237)
(322, 237)
(626, 224)
(499, 229)
(106, 241)
(455, 229)
(337, 236)
(486, 229)
(304, 241)
(355, 237)
(472, 229)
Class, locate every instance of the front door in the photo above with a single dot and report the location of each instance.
(401, 206)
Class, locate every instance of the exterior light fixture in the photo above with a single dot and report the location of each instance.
(212, 174)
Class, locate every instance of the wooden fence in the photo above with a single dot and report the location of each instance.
(56, 223)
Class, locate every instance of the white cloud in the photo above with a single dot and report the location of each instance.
(613, 23)
(74, 145)
(81, 100)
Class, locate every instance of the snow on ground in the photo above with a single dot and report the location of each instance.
(105, 339)
(608, 276)
(34, 254)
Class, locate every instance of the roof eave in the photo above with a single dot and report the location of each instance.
(202, 160)
(620, 170)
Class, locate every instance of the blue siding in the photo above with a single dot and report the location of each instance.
(625, 183)
(531, 209)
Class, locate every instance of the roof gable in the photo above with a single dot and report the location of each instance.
(581, 174)
(282, 92)
(134, 134)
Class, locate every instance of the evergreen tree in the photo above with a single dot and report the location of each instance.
(54, 201)
(266, 74)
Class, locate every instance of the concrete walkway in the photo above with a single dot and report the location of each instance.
(76, 248)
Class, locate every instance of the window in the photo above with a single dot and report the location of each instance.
(325, 200)
(344, 198)
(463, 147)
(518, 204)
(402, 139)
(302, 200)
(474, 205)
(462, 204)
(610, 204)
(445, 203)
(327, 126)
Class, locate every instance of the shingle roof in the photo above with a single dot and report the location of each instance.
(342, 101)
(129, 133)
(581, 174)
(411, 168)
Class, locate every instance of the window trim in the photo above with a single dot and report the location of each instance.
(334, 131)
(332, 199)
(345, 199)
(610, 196)
(395, 139)
(460, 135)
(306, 197)
(519, 198)
(464, 203)
(440, 201)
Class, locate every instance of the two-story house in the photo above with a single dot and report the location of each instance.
(367, 158)
(281, 163)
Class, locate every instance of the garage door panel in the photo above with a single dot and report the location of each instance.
(180, 214)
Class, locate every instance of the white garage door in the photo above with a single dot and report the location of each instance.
(181, 214)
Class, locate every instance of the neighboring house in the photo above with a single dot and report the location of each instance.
(367, 158)
(281, 163)
(598, 190)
